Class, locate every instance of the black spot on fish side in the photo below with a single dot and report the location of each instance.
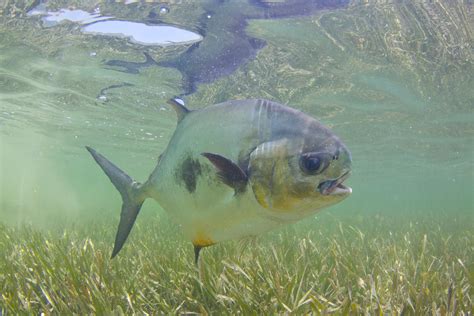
(188, 172)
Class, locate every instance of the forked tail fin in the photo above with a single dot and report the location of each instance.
(132, 193)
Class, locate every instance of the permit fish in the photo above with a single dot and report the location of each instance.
(237, 169)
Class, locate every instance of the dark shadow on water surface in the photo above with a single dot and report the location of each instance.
(226, 46)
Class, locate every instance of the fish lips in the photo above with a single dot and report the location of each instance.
(335, 187)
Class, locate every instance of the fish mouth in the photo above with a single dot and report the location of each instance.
(335, 187)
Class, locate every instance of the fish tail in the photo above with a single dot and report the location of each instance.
(133, 195)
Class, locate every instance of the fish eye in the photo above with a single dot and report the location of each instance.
(312, 163)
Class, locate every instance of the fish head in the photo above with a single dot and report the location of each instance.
(301, 174)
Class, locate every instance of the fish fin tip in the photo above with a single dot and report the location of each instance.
(178, 105)
(197, 250)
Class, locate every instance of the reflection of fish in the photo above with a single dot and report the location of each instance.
(226, 46)
(237, 169)
(287, 8)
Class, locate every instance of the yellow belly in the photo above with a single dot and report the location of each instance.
(213, 213)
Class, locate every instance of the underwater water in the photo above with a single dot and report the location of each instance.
(393, 80)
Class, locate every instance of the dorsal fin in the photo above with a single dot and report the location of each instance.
(178, 106)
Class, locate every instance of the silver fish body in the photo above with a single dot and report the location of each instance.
(238, 169)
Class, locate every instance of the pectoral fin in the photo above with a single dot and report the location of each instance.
(228, 172)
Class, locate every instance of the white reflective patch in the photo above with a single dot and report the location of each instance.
(140, 33)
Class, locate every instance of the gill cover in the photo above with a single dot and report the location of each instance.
(270, 175)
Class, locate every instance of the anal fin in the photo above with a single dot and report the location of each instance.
(197, 250)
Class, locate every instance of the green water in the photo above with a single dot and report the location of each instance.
(409, 125)
(394, 81)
